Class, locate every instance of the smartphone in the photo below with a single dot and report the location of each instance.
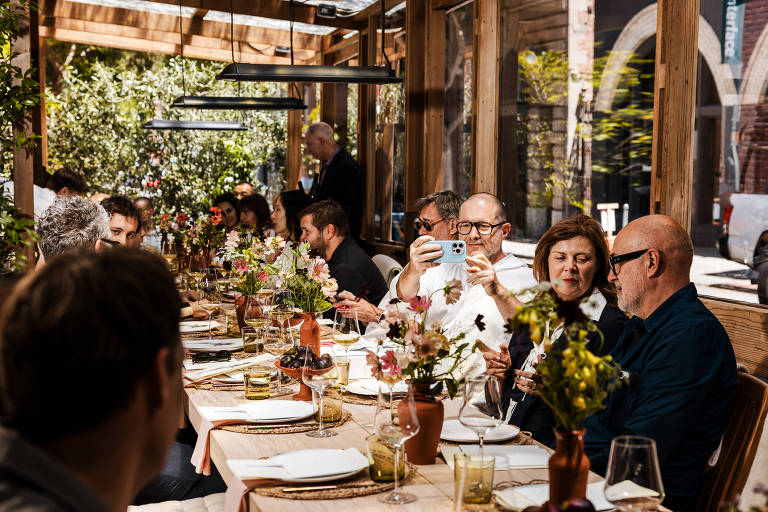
(454, 251)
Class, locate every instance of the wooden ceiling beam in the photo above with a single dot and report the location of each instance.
(144, 45)
(275, 9)
(159, 23)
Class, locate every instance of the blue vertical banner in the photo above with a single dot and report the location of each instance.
(733, 29)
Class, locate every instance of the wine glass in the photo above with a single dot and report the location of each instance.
(633, 478)
(169, 255)
(255, 317)
(277, 347)
(319, 373)
(281, 310)
(481, 409)
(210, 299)
(395, 429)
(345, 331)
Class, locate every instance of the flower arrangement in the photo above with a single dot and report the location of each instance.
(306, 277)
(574, 381)
(205, 233)
(424, 353)
(251, 263)
(174, 228)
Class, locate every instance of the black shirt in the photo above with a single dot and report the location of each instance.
(356, 272)
(342, 181)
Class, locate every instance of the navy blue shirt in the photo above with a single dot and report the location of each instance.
(682, 380)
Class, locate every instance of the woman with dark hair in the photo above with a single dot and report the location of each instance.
(285, 213)
(254, 214)
(228, 205)
(573, 256)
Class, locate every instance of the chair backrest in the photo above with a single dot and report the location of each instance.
(388, 266)
(739, 444)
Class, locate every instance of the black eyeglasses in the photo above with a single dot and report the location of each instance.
(483, 228)
(627, 256)
(110, 243)
(429, 225)
(205, 357)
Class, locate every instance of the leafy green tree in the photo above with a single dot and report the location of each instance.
(100, 100)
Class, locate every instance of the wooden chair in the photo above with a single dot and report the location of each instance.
(740, 439)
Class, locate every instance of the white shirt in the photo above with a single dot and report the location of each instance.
(43, 197)
(513, 274)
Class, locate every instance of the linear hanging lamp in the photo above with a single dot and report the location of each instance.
(313, 73)
(238, 103)
(309, 73)
(172, 124)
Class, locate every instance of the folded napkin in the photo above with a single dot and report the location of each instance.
(320, 463)
(196, 375)
(517, 498)
(199, 326)
(506, 456)
(628, 489)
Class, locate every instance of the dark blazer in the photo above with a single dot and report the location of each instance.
(343, 182)
(532, 414)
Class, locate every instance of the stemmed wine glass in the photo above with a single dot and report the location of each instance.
(169, 255)
(319, 374)
(210, 299)
(633, 478)
(277, 347)
(481, 409)
(396, 429)
(281, 311)
(257, 319)
(345, 331)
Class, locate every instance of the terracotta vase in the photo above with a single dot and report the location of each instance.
(422, 448)
(568, 467)
(309, 336)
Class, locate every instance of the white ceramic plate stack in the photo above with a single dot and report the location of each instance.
(455, 432)
(370, 387)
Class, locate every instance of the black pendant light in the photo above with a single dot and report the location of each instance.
(173, 124)
(313, 73)
(237, 102)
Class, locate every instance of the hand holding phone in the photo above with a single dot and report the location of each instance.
(454, 251)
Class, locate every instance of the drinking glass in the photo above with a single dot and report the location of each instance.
(255, 317)
(210, 299)
(345, 331)
(395, 429)
(282, 311)
(319, 379)
(481, 409)
(169, 255)
(277, 347)
(633, 478)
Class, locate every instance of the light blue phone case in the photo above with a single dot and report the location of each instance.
(454, 251)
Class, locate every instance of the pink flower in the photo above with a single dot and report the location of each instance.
(373, 361)
(262, 276)
(452, 291)
(419, 304)
(330, 287)
(389, 363)
(319, 271)
(240, 265)
(428, 343)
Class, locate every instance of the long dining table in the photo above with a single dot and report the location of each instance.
(432, 484)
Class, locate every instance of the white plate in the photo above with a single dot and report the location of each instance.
(370, 387)
(230, 344)
(190, 326)
(455, 432)
(346, 463)
(278, 411)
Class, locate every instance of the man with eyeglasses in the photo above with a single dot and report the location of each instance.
(123, 219)
(680, 363)
(482, 225)
(438, 215)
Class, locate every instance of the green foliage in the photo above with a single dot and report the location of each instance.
(544, 76)
(15, 232)
(95, 127)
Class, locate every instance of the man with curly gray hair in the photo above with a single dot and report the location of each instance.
(71, 223)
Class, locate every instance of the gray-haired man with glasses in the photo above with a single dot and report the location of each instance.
(482, 225)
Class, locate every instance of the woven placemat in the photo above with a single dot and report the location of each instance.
(352, 398)
(523, 438)
(294, 428)
(362, 485)
(207, 385)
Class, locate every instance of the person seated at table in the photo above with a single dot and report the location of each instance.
(679, 359)
(286, 207)
(482, 226)
(228, 205)
(254, 214)
(71, 223)
(573, 256)
(123, 219)
(74, 322)
(243, 189)
(148, 235)
(438, 215)
(326, 227)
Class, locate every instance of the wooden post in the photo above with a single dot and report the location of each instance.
(328, 97)
(485, 95)
(366, 129)
(416, 16)
(435, 84)
(673, 110)
(293, 151)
